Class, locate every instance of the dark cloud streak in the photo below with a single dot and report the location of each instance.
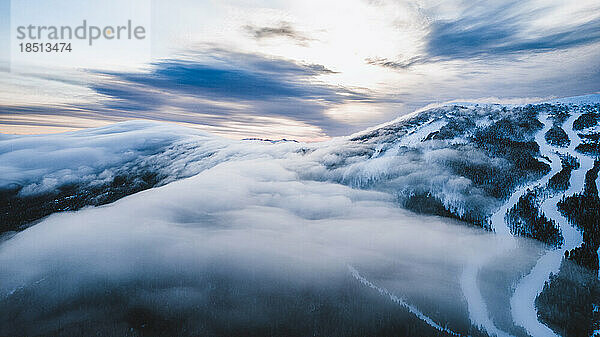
(215, 88)
(490, 31)
(394, 64)
(284, 29)
(485, 30)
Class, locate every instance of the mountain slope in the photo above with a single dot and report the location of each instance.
(525, 171)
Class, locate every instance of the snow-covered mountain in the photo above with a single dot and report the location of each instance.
(347, 218)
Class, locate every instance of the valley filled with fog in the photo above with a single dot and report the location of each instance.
(143, 228)
(250, 234)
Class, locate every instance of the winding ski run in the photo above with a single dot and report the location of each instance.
(384, 292)
(522, 302)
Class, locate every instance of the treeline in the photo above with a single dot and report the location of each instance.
(566, 303)
(455, 127)
(558, 113)
(589, 148)
(17, 211)
(525, 219)
(586, 120)
(560, 181)
(590, 144)
(557, 136)
(583, 210)
(508, 138)
(427, 203)
(229, 306)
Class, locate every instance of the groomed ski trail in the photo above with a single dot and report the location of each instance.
(384, 292)
(529, 287)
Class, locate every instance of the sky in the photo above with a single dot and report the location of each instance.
(300, 69)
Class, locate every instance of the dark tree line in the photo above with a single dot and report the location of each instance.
(17, 210)
(229, 306)
(525, 219)
(566, 303)
(586, 120)
(590, 144)
(560, 181)
(427, 203)
(557, 136)
(583, 210)
(558, 113)
(589, 148)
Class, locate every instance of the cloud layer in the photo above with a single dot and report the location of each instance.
(245, 244)
(484, 29)
(216, 88)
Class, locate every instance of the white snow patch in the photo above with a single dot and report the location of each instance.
(523, 299)
(420, 133)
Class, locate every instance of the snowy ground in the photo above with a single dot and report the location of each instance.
(523, 301)
(478, 311)
(270, 216)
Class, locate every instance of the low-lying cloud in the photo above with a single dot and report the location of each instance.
(247, 227)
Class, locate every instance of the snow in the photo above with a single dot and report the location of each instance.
(400, 301)
(42, 163)
(397, 120)
(523, 299)
(276, 205)
(478, 312)
(421, 132)
(578, 100)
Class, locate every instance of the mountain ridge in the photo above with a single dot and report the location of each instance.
(508, 170)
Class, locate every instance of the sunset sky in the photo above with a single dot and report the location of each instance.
(301, 69)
